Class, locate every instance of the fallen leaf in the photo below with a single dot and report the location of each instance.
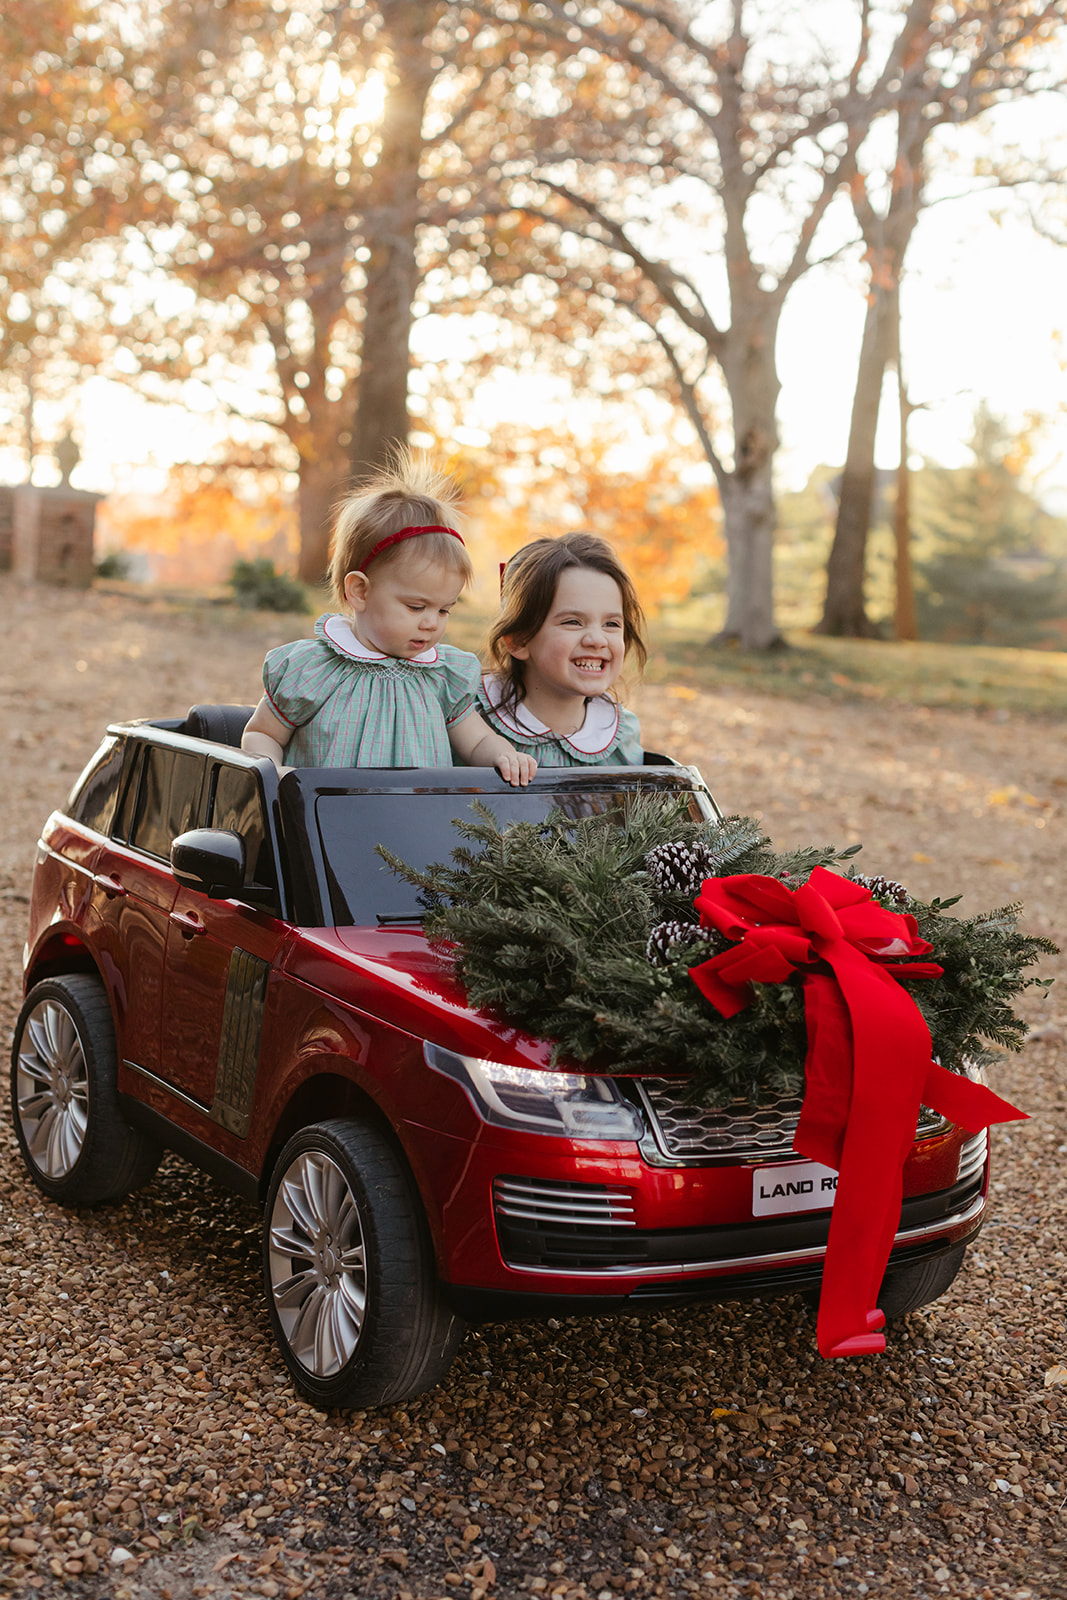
(1054, 1375)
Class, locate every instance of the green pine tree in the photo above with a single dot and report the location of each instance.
(997, 569)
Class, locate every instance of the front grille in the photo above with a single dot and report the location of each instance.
(973, 1157)
(575, 1226)
(580, 1205)
(734, 1132)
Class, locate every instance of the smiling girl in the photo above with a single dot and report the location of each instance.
(569, 617)
(376, 687)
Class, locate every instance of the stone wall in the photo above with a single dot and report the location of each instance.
(52, 536)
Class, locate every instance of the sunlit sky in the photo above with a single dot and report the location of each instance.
(985, 319)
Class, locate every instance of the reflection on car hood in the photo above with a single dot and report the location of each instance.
(393, 973)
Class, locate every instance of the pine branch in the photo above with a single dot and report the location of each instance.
(577, 929)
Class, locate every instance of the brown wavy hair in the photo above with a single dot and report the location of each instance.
(528, 588)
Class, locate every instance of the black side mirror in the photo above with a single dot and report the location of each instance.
(211, 861)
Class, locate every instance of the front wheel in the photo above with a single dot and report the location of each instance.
(910, 1288)
(349, 1270)
(77, 1146)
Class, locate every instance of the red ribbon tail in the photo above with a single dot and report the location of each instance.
(970, 1105)
(827, 1072)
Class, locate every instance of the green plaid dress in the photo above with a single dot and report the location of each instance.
(610, 736)
(353, 707)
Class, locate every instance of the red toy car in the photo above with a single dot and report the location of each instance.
(219, 964)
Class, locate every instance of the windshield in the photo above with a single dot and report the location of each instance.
(418, 828)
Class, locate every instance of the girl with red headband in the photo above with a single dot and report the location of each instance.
(569, 616)
(376, 687)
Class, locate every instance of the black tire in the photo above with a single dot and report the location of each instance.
(907, 1289)
(349, 1272)
(78, 1147)
(910, 1288)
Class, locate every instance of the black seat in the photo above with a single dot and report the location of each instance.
(652, 759)
(219, 724)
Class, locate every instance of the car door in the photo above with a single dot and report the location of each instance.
(218, 958)
(134, 892)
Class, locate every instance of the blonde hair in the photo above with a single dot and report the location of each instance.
(409, 491)
(528, 590)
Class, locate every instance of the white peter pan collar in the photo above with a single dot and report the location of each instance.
(596, 734)
(338, 630)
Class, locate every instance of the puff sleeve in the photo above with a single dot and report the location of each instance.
(299, 678)
(628, 749)
(460, 681)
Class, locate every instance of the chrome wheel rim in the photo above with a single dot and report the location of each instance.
(318, 1264)
(52, 1089)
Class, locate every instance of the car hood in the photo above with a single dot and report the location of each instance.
(394, 974)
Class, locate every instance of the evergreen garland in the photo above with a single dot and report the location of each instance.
(582, 932)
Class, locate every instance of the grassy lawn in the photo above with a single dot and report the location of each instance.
(1032, 681)
(922, 674)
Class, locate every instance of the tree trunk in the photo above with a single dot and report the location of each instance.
(749, 522)
(381, 420)
(844, 613)
(320, 484)
(905, 621)
(749, 516)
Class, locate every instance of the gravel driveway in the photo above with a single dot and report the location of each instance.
(150, 1445)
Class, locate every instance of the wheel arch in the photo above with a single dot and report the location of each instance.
(62, 950)
(318, 1098)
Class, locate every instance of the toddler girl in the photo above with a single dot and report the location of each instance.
(569, 617)
(376, 688)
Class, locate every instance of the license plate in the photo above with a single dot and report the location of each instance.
(795, 1186)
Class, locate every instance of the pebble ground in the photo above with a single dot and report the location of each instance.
(151, 1447)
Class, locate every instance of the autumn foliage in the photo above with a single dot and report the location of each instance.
(665, 527)
(663, 518)
(191, 535)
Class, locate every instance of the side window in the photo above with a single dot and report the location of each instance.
(167, 799)
(128, 791)
(237, 804)
(93, 798)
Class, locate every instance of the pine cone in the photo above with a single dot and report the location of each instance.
(678, 868)
(666, 935)
(884, 888)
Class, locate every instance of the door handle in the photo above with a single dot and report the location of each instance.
(111, 886)
(190, 926)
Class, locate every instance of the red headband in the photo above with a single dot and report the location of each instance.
(405, 533)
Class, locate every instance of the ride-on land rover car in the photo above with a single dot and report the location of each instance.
(219, 964)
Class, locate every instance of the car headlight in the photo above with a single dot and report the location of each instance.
(571, 1105)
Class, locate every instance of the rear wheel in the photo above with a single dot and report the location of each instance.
(349, 1270)
(77, 1145)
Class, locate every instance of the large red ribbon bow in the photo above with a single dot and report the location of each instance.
(868, 1066)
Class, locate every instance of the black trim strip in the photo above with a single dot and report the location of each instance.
(505, 1305)
(531, 1246)
(229, 1173)
(161, 1083)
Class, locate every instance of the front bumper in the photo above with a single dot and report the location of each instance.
(574, 1247)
